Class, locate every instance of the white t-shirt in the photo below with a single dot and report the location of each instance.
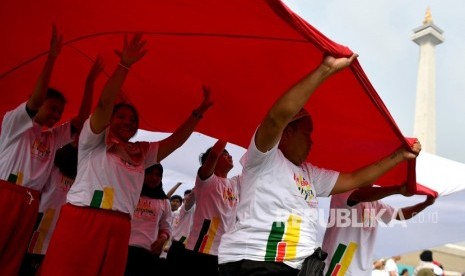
(182, 224)
(216, 202)
(52, 199)
(278, 211)
(103, 179)
(150, 218)
(391, 266)
(351, 234)
(27, 150)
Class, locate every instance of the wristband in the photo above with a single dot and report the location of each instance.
(124, 66)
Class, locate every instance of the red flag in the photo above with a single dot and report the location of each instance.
(248, 51)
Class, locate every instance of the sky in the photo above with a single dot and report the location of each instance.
(380, 32)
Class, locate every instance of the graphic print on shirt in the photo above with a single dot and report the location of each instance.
(103, 199)
(283, 239)
(229, 196)
(16, 178)
(40, 150)
(145, 210)
(38, 238)
(341, 259)
(207, 235)
(305, 189)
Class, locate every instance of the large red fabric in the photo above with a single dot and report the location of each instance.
(248, 51)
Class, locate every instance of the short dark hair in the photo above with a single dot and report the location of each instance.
(188, 191)
(176, 197)
(53, 93)
(203, 156)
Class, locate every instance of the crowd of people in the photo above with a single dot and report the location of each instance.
(81, 199)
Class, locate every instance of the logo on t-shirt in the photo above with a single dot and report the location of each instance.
(40, 150)
(229, 196)
(145, 210)
(305, 188)
(283, 239)
(342, 258)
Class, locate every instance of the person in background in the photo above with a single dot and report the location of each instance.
(175, 201)
(216, 198)
(427, 263)
(352, 228)
(109, 181)
(150, 227)
(181, 228)
(404, 272)
(391, 266)
(378, 268)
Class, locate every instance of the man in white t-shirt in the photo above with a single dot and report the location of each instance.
(28, 141)
(353, 224)
(216, 198)
(275, 229)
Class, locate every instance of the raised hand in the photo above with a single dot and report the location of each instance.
(333, 65)
(55, 42)
(415, 150)
(206, 102)
(132, 50)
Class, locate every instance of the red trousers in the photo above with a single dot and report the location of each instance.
(88, 241)
(18, 215)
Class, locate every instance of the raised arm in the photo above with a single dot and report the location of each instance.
(132, 52)
(40, 91)
(369, 174)
(182, 133)
(173, 189)
(208, 167)
(189, 200)
(368, 194)
(86, 103)
(409, 212)
(293, 100)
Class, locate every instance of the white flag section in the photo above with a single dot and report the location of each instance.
(441, 223)
(440, 174)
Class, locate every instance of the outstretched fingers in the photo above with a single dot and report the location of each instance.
(133, 50)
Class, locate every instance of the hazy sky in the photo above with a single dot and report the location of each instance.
(380, 32)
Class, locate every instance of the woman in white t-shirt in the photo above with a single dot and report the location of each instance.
(150, 227)
(92, 233)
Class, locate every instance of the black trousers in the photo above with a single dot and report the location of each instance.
(256, 268)
(142, 262)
